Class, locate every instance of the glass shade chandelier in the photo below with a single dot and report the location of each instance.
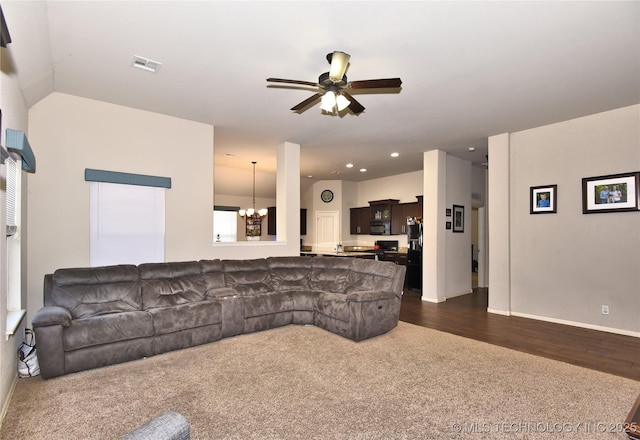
(332, 100)
(251, 213)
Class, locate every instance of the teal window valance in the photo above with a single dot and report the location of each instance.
(17, 142)
(91, 175)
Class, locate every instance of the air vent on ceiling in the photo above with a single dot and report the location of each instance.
(145, 64)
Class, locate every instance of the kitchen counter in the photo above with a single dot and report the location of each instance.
(355, 254)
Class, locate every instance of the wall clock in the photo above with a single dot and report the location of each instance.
(326, 195)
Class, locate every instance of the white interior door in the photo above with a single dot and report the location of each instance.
(327, 230)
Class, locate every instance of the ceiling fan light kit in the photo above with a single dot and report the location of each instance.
(333, 85)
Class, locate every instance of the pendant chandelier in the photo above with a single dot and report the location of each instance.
(251, 213)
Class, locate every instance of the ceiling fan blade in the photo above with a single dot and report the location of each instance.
(306, 102)
(292, 81)
(376, 83)
(354, 105)
(339, 62)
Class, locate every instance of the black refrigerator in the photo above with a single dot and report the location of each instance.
(414, 253)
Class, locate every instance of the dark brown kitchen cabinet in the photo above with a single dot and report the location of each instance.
(396, 257)
(414, 209)
(303, 221)
(400, 212)
(271, 221)
(359, 220)
(399, 219)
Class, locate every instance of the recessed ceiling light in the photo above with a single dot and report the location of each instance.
(349, 165)
(362, 170)
(229, 155)
(395, 154)
(145, 64)
(472, 148)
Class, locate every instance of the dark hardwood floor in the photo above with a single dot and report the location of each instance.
(467, 316)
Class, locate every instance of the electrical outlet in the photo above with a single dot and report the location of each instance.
(605, 310)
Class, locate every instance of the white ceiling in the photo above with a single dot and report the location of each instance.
(469, 70)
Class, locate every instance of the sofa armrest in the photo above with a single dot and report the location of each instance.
(49, 324)
(169, 425)
(369, 295)
(52, 315)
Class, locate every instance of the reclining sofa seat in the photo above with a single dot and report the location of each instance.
(92, 317)
(174, 295)
(104, 315)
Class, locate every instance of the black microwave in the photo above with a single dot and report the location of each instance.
(380, 227)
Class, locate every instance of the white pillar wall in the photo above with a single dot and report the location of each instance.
(433, 227)
(499, 224)
(288, 195)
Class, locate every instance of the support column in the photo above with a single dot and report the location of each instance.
(499, 203)
(433, 227)
(288, 194)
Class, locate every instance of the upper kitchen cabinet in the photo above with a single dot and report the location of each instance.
(381, 209)
(400, 212)
(359, 223)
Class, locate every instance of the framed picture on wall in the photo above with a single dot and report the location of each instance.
(543, 199)
(458, 218)
(611, 193)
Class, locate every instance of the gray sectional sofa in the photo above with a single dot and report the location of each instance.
(99, 316)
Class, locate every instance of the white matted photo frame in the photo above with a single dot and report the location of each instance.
(543, 199)
(611, 193)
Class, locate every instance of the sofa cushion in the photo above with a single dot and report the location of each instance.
(290, 273)
(170, 284)
(94, 291)
(332, 304)
(186, 316)
(213, 274)
(330, 274)
(267, 303)
(365, 277)
(105, 329)
(247, 276)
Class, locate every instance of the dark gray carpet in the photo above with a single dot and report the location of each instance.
(303, 382)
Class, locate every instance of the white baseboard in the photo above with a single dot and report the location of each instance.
(499, 312)
(5, 404)
(577, 324)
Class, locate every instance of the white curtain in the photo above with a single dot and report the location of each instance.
(127, 224)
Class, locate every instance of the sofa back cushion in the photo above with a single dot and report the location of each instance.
(366, 276)
(330, 274)
(290, 273)
(213, 274)
(247, 276)
(169, 284)
(91, 291)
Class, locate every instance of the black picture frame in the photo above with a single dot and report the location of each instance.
(458, 218)
(611, 193)
(447, 225)
(543, 199)
(447, 212)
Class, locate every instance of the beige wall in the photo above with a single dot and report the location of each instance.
(14, 115)
(73, 133)
(563, 267)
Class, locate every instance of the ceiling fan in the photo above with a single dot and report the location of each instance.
(334, 87)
